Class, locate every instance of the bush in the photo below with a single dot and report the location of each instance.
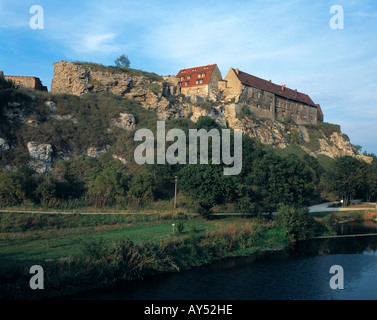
(293, 137)
(332, 221)
(155, 88)
(192, 230)
(180, 226)
(296, 222)
(245, 111)
(142, 187)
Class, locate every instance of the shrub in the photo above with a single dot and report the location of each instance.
(332, 221)
(180, 226)
(155, 88)
(293, 137)
(192, 230)
(244, 112)
(296, 222)
(288, 120)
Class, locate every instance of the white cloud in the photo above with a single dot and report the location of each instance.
(97, 42)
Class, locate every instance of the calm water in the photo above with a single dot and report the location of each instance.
(301, 272)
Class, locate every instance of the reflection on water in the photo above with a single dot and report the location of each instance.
(361, 227)
(300, 272)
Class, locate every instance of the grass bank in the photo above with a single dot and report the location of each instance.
(82, 252)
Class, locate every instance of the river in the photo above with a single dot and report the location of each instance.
(302, 271)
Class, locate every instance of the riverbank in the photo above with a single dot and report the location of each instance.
(82, 252)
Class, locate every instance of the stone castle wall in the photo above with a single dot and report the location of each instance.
(266, 104)
(27, 82)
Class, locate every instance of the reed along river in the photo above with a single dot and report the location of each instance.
(300, 272)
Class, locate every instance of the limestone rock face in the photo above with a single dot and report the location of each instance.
(4, 146)
(95, 152)
(364, 158)
(41, 155)
(164, 98)
(336, 146)
(125, 121)
(120, 158)
(14, 111)
(77, 79)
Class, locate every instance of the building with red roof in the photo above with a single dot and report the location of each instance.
(200, 81)
(267, 99)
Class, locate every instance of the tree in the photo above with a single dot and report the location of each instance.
(109, 185)
(11, 188)
(122, 61)
(346, 178)
(207, 185)
(142, 187)
(277, 180)
(296, 222)
(46, 189)
(369, 178)
(207, 123)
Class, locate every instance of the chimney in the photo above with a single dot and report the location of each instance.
(270, 81)
(283, 87)
(296, 90)
(237, 71)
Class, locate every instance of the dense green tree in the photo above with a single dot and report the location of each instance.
(295, 222)
(110, 184)
(280, 180)
(142, 187)
(346, 178)
(369, 180)
(46, 189)
(12, 188)
(207, 123)
(207, 185)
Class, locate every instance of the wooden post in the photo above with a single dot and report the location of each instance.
(175, 193)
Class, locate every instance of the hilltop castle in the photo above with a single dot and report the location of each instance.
(264, 98)
(28, 83)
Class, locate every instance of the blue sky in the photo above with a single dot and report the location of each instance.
(289, 42)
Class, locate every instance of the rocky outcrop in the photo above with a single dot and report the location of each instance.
(14, 111)
(41, 156)
(120, 158)
(95, 152)
(79, 79)
(4, 146)
(365, 158)
(65, 117)
(164, 99)
(125, 121)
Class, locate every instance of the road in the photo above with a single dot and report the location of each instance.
(325, 207)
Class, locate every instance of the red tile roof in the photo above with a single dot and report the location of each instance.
(252, 81)
(192, 74)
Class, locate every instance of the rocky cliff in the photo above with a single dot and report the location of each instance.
(162, 95)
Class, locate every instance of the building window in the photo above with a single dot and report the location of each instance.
(186, 83)
(188, 77)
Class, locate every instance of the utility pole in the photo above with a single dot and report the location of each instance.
(175, 193)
